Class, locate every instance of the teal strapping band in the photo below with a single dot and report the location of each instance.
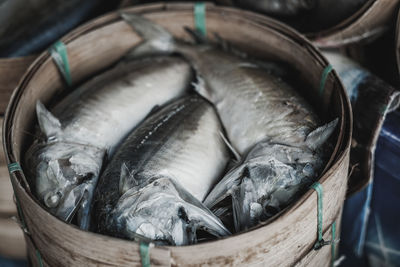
(200, 17)
(145, 254)
(383, 109)
(333, 244)
(320, 193)
(39, 257)
(58, 52)
(13, 167)
(324, 77)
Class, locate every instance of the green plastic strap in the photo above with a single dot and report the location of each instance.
(383, 109)
(13, 167)
(333, 244)
(145, 254)
(39, 258)
(58, 52)
(320, 193)
(324, 77)
(200, 17)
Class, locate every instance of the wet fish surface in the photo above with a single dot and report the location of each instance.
(89, 123)
(267, 122)
(158, 177)
(30, 26)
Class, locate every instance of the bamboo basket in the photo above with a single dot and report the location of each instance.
(12, 243)
(285, 240)
(370, 22)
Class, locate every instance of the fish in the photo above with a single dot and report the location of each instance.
(252, 102)
(86, 126)
(256, 108)
(30, 26)
(267, 180)
(156, 180)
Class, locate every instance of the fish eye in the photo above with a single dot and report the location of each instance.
(52, 200)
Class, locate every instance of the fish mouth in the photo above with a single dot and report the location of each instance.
(64, 204)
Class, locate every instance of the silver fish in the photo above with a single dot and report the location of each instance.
(257, 109)
(253, 104)
(90, 122)
(155, 182)
(268, 179)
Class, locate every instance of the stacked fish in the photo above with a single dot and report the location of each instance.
(143, 152)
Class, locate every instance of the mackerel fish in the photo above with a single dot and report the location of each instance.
(154, 184)
(86, 126)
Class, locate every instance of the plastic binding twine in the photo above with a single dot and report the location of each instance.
(14, 167)
(145, 253)
(333, 244)
(200, 17)
(328, 69)
(321, 242)
(58, 52)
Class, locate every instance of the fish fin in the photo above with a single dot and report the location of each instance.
(204, 219)
(156, 38)
(124, 179)
(230, 146)
(242, 205)
(319, 136)
(201, 87)
(67, 212)
(84, 210)
(224, 188)
(48, 123)
(236, 210)
(154, 110)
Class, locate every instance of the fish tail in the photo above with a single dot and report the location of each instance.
(156, 38)
(319, 136)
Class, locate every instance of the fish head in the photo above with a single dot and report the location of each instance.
(162, 211)
(65, 175)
